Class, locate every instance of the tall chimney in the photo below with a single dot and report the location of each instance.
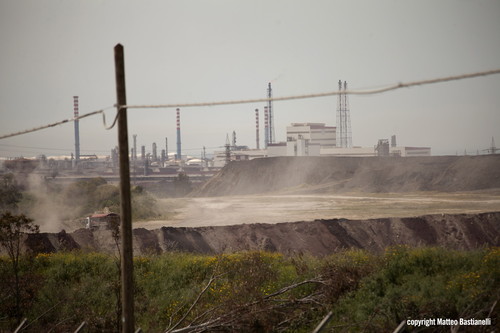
(155, 153)
(266, 127)
(134, 156)
(143, 153)
(257, 128)
(166, 148)
(77, 129)
(179, 153)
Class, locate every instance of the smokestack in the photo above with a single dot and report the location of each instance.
(77, 129)
(166, 148)
(134, 156)
(257, 128)
(228, 150)
(393, 141)
(179, 153)
(266, 127)
(143, 153)
(155, 154)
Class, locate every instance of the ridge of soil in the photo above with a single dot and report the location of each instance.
(318, 237)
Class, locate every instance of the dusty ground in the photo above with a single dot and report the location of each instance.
(219, 211)
(366, 203)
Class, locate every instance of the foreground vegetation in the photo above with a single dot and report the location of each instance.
(255, 291)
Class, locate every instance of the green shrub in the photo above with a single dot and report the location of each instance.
(422, 283)
(261, 291)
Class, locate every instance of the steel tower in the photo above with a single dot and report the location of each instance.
(179, 153)
(271, 113)
(257, 128)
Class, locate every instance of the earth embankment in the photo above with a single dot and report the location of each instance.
(364, 174)
(319, 237)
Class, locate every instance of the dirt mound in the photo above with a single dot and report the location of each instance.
(365, 174)
(319, 237)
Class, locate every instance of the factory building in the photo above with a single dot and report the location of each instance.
(304, 139)
(410, 151)
(299, 147)
(242, 154)
(372, 151)
(312, 133)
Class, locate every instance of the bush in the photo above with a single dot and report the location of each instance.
(261, 291)
(422, 283)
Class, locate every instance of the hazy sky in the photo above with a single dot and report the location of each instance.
(195, 51)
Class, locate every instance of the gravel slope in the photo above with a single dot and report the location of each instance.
(364, 174)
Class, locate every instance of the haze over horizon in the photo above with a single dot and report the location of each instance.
(195, 51)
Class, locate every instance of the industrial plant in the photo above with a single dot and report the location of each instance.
(155, 162)
(313, 139)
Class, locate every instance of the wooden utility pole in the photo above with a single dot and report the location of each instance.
(127, 264)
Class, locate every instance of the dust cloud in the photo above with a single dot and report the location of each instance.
(49, 211)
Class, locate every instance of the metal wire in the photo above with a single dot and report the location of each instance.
(63, 122)
(325, 94)
(257, 100)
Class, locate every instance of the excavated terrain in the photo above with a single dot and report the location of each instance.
(323, 175)
(363, 174)
(319, 237)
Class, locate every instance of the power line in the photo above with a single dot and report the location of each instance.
(48, 148)
(260, 100)
(325, 94)
(63, 122)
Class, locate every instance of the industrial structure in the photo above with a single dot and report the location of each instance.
(134, 154)
(179, 152)
(270, 110)
(492, 149)
(228, 150)
(344, 135)
(315, 133)
(166, 148)
(257, 140)
(382, 147)
(266, 126)
(302, 139)
(313, 139)
(77, 130)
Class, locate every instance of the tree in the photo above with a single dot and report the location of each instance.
(12, 230)
(10, 193)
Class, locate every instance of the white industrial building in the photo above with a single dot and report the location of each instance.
(372, 151)
(304, 139)
(317, 139)
(313, 133)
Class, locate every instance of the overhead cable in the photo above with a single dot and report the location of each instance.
(324, 94)
(62, 122)
(259, 100)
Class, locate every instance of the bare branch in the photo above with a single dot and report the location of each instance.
(229, 318)
(212, 279)
(293, 286)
